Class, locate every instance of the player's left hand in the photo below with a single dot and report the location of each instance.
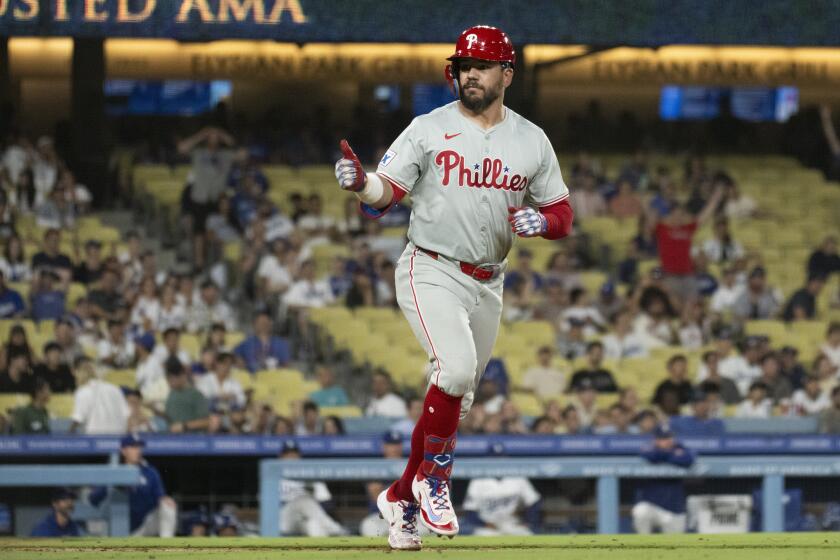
(526, 222)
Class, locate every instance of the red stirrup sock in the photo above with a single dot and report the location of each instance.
(442, 412)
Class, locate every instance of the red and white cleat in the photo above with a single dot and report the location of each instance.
(436, 510)
(401, 516)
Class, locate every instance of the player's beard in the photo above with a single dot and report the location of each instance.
(477, 103)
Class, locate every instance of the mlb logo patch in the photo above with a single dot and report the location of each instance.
(386, 159)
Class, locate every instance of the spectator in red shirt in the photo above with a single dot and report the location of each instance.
(674, 234)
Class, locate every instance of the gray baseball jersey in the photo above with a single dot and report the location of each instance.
(462, 179)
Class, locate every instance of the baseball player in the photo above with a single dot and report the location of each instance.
(302, 511)
(491, 505)
(660, 502)
(151, 512)
(478, 174)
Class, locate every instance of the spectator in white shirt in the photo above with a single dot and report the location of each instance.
(172, 347)
(727, 291)
(222, 390)
(99, 407)
(307, 291)
(385, 402)
(115, 349)
(811, 399)
(150, 375)
(756, 405)
(210, 309)
(581, 309)
(721, 247)
(544, 379)
(16, 157)
(172, 313)
(315, 223)
(622, 342)
(831, 347)
(273, 275)
(146, 310)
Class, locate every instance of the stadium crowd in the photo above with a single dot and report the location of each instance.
(180, 330)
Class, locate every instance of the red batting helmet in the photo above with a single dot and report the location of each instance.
(484, 42)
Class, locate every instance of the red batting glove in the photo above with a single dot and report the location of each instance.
(348, 170)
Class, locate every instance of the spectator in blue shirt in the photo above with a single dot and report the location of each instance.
(47, 302)
(262, 350)
(59, 522)
(11, 303)
(151, 512)
(329, 394)
(660, 502)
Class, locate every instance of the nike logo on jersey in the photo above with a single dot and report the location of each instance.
(451, 136)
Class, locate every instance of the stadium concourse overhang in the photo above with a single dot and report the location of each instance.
(56, 55)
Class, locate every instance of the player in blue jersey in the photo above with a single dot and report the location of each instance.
(151, 512)
(660, 502)
(59, 522)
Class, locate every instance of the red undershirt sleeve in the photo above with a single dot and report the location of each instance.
(558, 217)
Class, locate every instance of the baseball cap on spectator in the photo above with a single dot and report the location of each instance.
(63, 493)
(130, 392)
(725, 333)
(574, 322)
(497, 449)
(663, 431)
(93, 244)
(146, 340)
(698, 396)
(758, 272)
(524, 252)
(289, 446)
(132, 440)
(174, 367)
(792, 350)
(608, 288)
(392, 436)
(753, 342)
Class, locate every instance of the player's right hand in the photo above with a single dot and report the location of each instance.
(348, 170)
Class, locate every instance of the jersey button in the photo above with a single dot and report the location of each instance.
(487, 137)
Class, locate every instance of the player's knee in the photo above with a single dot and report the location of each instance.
(458, 375)
(641, 510)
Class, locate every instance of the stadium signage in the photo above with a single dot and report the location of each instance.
(260, 12)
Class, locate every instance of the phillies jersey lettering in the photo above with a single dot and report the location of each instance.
(462, 179)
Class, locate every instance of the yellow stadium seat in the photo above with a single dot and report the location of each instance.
(10, 401)
(246, 380)
(121, 377)
(527, 404)
(60, 406)
(349, 411)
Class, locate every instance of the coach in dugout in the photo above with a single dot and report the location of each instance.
(59, 522)
(151, 512)
(660, 502)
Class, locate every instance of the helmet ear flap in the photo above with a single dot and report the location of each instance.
(451, 75)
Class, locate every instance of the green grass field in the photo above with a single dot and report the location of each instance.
(757, 546)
